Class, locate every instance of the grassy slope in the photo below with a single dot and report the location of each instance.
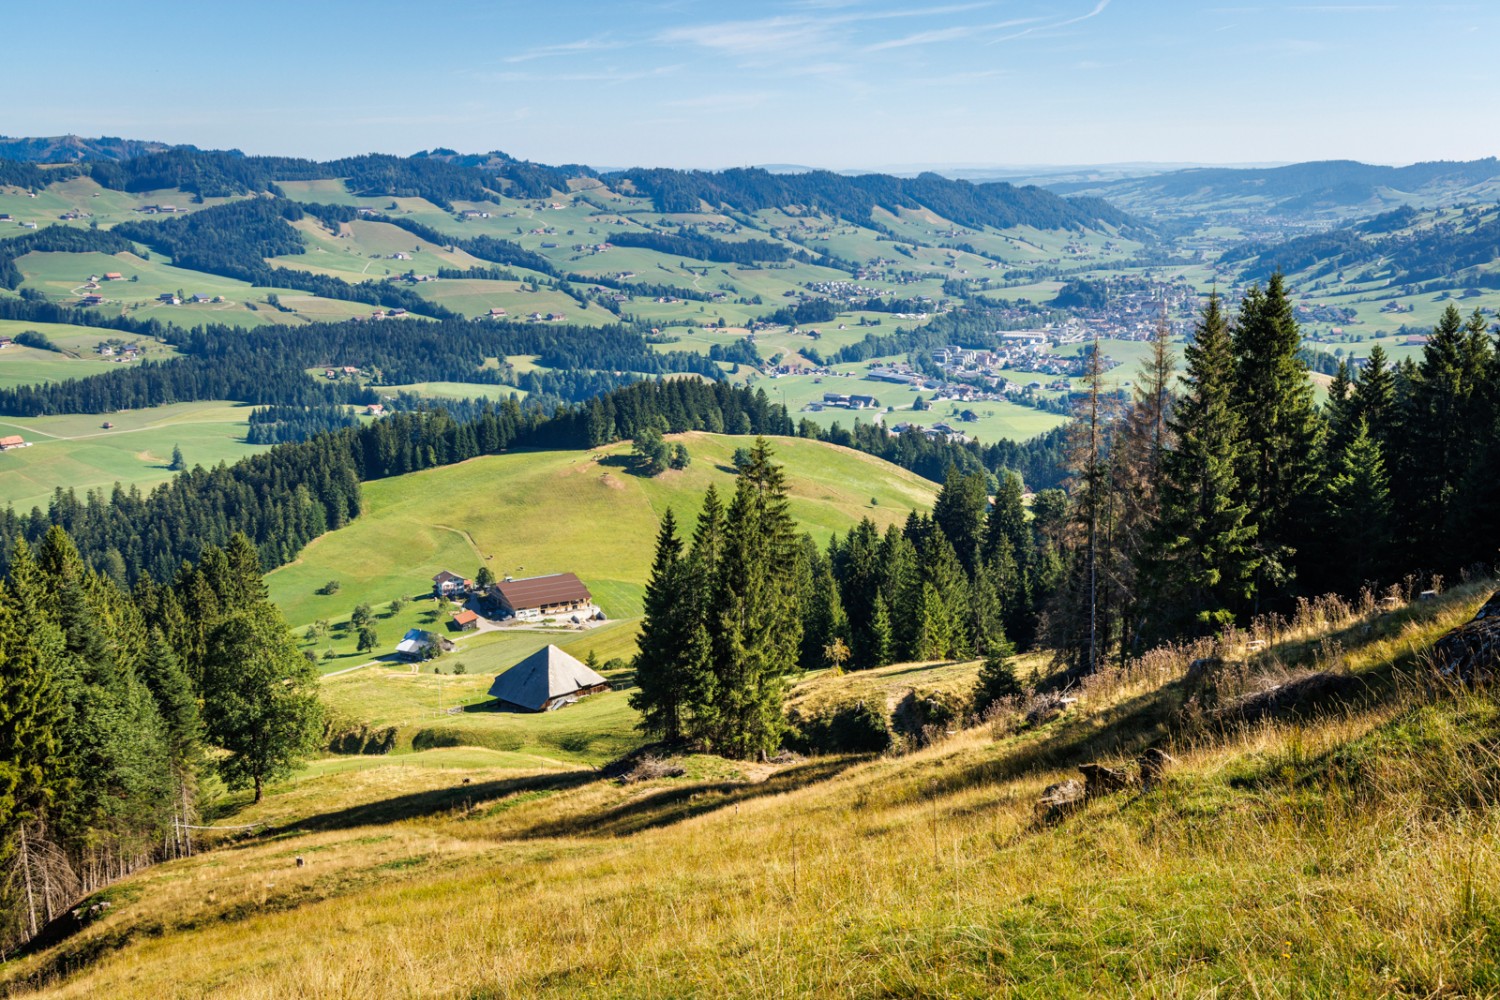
(532, 513)
(76, 451)
(1352, 853)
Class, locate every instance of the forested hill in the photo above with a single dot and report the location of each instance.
(999, 204)
(68, 148)
(1327, 187)
(443, 176)
(1436, 250)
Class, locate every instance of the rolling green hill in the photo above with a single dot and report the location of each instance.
(533, 513)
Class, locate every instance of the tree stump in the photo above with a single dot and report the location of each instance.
(1153, 763)
(1101, 780)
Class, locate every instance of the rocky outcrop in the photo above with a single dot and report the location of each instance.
(1472, 651)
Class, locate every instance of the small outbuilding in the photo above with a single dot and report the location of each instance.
(415, 645)
(465, 620)
(546, 680)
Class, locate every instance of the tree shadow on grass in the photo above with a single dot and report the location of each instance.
(626, 463)
(660, 807)
(432, 802)
(671, 805)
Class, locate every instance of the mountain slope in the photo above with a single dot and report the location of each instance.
(1331, 188)
(1350, 850)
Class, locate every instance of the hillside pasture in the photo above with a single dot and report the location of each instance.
(533, 513)
(62, 277)
(78, 452)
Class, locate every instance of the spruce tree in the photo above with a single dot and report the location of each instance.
(959, 513)
(1446, 404)
(1274, 395)
(1136, 473)
(1359, 503)
(1374, 396)
(665, 639)
(1202, 566)
(997, 675)
(755, 629)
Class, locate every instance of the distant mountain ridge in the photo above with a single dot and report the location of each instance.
(443, 176)
(74, 149)
(1330, 188)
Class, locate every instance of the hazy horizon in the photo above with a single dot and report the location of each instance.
(825, 83)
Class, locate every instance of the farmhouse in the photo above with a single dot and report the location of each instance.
(445, 584)
(419, 644)
(544, 597)
(91, 300)
(113, 276)
(546, 680)
(169, 299)
(13, 441)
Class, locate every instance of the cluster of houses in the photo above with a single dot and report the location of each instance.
(845, 401)
(173, 299)
(939, 431)
(546, 680)
(530, 599)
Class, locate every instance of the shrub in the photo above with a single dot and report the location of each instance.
(846, 727)
(924, 717)
(329, 589)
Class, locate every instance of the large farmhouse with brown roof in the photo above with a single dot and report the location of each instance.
(558, 596)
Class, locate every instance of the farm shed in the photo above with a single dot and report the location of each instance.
(546, 680)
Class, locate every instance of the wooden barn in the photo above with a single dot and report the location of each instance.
(546, 680)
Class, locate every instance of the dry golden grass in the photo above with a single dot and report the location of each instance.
(1350, 853)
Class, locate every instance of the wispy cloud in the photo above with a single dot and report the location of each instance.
(597, 44)
(956, 33)
(1055, 25)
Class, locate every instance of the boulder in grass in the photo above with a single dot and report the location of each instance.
(1060, 799)
(1472, 651)
(1102, 780)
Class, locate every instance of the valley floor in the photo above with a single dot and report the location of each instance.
(1350, 850)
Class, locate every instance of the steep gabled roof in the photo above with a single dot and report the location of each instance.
(544, 675)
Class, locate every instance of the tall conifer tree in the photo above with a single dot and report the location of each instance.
(1204, 560)
(1274, 395)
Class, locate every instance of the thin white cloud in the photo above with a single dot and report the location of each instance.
(955, 33)
(1054, 25)
(598, 44)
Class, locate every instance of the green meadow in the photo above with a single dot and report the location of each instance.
(78, 452)
(62, 277)
(533, 513)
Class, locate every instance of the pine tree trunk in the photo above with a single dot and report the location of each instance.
(26, 874)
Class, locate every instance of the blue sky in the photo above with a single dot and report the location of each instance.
(829, 83)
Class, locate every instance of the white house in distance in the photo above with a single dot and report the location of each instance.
(446, 584)
(415, 644)
(546, 680)
(561, 595)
